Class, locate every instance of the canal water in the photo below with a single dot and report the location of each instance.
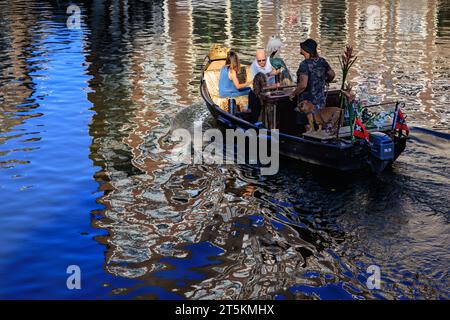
(89, 95)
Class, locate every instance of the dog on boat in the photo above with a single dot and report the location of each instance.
(322, 117)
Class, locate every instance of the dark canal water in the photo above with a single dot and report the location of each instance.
(85, 179)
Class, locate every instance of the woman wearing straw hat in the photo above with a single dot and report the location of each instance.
(273, 47)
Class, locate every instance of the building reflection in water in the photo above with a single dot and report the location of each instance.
(217, 232)
(15, 50)
(146, 60)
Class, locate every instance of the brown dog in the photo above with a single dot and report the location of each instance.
(320, 116)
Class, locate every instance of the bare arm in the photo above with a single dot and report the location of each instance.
(274, 72)
(236, 81)
(301, 86)
(330, 75)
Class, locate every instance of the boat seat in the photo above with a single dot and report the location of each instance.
(211, 76)
(216, 65)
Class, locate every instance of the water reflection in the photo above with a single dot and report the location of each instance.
(181, 231)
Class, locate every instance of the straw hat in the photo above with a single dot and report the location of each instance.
(217, 52)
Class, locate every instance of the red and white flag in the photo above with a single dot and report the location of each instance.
(400, 122)
(360, 131)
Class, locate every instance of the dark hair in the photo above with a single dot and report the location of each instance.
(310, 46)
(259, 82)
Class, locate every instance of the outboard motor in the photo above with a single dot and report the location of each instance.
(381, 151)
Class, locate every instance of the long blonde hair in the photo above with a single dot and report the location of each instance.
(233, 62)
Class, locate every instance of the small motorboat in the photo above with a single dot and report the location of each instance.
(339, 151)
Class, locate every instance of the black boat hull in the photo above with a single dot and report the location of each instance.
(339, 155)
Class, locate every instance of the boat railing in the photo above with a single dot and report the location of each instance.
(379, 116)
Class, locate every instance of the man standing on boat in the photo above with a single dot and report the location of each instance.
(312, 76)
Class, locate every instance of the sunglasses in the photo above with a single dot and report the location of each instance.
(264, 60)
